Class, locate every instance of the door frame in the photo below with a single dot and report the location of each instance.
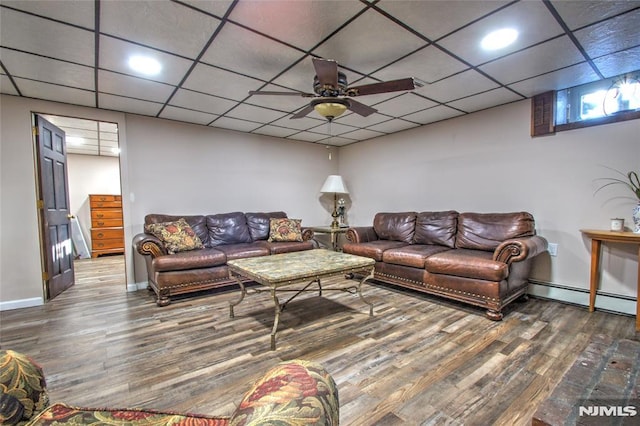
(125, 206)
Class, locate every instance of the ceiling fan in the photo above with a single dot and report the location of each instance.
(333, 95)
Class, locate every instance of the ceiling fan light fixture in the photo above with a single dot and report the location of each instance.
(331, 109)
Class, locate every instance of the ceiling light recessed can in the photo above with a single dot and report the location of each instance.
(145, 65)
(498, 39)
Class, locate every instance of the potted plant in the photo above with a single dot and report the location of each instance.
(631, 181)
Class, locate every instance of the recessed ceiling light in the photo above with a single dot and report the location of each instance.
(499, 39)
(145, 65)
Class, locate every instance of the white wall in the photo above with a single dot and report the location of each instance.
(166, 167)
(90, 174)
(487, 162)
(484, 162)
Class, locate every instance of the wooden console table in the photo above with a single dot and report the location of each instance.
(597, 237)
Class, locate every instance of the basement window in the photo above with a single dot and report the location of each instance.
(604, 101)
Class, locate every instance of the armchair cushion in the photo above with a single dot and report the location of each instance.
(22, 386)
(294, 392)
(176, 236)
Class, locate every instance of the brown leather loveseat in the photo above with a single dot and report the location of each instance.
(483, 259)
(223, 237)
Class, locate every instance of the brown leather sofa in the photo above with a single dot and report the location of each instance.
(225, 237)
(483, 259)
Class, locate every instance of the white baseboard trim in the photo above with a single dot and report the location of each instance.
(137, 286)
(614, 303)
(22, 303)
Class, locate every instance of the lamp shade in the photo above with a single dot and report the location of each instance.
(334, 185)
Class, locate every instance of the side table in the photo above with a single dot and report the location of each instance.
(597, 237)
(335, 233)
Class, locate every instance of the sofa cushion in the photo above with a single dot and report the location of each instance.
(259, 224)
(228, 228)
(474, 264)
(197, 222)
(286, 246)
(486, 231)
(395, 226)
(195, 259)
(411, 255)
(436, 228)
(372, 249)
(285, 229)
(176, 236)
(242, 250)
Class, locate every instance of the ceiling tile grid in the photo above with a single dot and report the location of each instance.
(213, 53)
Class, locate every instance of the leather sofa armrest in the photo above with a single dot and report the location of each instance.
(361, 234)
(520, 249)
(307, 234)
(148, 245)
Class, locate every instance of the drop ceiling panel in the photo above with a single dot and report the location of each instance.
(602, 38)
(389, 42)
(45, 37)
(299, 23)
(276, 131)
(531, 19)
(248, 53)
(429, 65)
(201, 102)
(81, 13)
(54, 92)
(438, 18)
(543, 58)
(208, 79)
(568, 77)
(136, 106)
(577, 14)
(156, 24)
(209, 63)
(139, 88)
(458, 86)
(486, 100)
(182, 114)
(43, 69)
(432, 115)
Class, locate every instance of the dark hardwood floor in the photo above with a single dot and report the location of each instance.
(419, 360)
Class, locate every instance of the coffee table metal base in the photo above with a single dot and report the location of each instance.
(279, 307)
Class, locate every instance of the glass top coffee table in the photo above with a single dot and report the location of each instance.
(285, 270)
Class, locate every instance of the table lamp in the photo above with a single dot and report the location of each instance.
(334, 185)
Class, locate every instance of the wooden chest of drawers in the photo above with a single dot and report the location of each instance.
(107, 232)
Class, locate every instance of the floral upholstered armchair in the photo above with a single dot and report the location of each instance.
(294, 392)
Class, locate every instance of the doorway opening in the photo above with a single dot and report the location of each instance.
(95, 188)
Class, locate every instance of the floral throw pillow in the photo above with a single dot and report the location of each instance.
(285, 229)
(176, 236)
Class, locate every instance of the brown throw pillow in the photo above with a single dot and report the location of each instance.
(285, 229)
(176, 236)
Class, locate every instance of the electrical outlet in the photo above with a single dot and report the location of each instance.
(553, 249)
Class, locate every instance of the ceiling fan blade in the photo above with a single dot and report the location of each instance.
(326, 71)
(267, 92)
(361, 109)
(303, 112)
(383, 87)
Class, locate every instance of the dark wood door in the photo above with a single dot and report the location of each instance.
(54, 208)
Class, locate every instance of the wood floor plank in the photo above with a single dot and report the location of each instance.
(418, 360)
